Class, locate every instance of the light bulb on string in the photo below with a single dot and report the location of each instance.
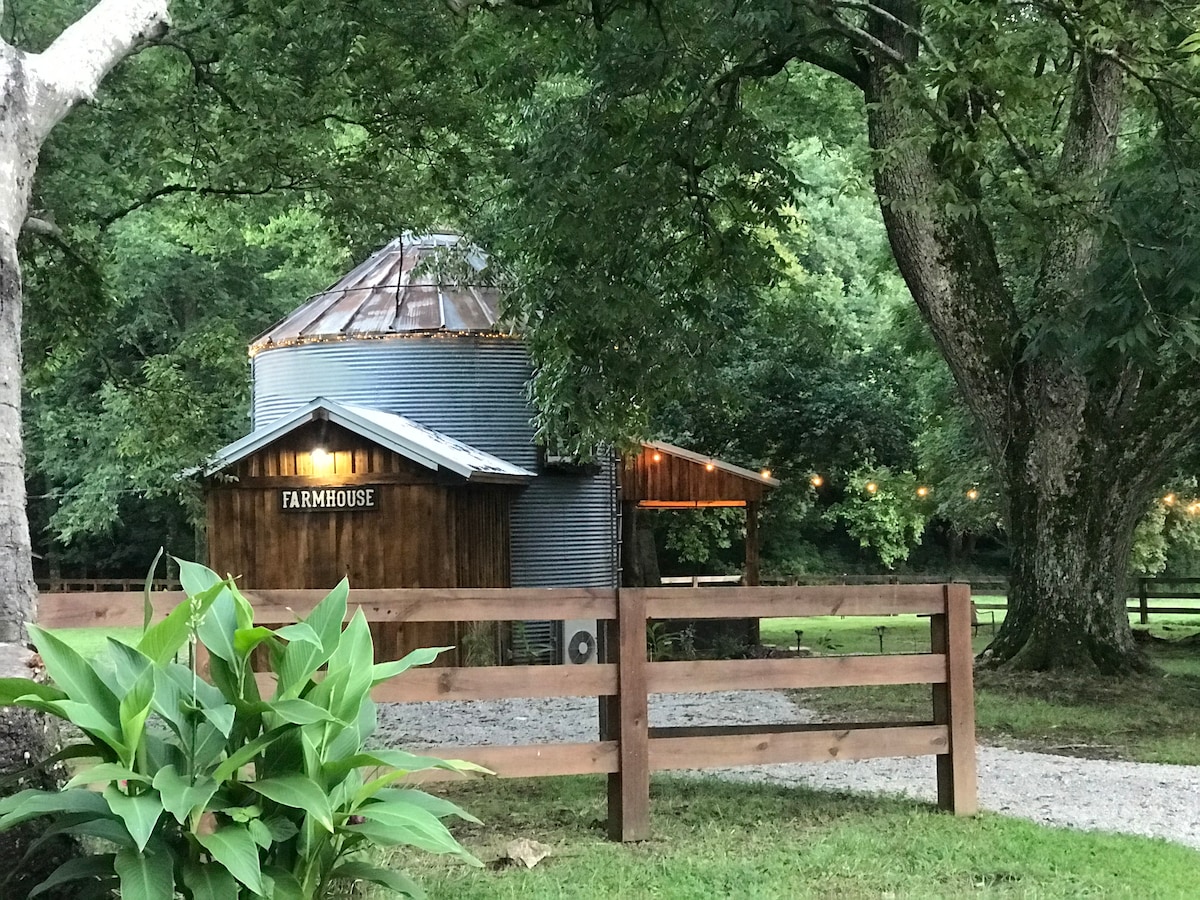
(816, 481)
(1169, 500)
(972, 494)
(872, 487)
(922, 491)
(766, 473)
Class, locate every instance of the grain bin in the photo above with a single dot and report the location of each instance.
(415, 331)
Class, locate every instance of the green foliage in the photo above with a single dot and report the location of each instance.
(206, 788)
(889, 519)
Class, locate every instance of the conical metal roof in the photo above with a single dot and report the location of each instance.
(417, 283)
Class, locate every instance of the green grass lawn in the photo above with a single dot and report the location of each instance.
(719, 839)
(1149, 718)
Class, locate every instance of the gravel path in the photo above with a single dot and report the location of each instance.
(1135, 798)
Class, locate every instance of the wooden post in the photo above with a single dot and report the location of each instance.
(629, 786)
(954, 702)
(753, 575)
(752, 559)
(1143, 601)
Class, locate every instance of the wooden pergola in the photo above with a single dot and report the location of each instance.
(663, 476)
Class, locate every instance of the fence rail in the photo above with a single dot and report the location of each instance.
(628, 749)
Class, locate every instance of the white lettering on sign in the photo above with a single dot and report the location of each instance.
(328, 499)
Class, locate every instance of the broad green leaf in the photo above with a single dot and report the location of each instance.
(246, 639)
(104, 772)
(81, 867)
(145, 876)
(439, 806)
(164, 641)
(281, 828)
(299, 631)
(260, 832)
(147, 604)
(111, 830)
(135, 708)
(13, 689)
(180, 798)
(218, 626)
(222, 717)
(298, 792)
(234, 848)
(388, 878)
(298, 712)
(400, 759)
(391, 824)
(33, 803)
(300, 658)
(195, 578)
(283, 884)
(420, 657)
(248, 752)
(73, 674)
(209, 881)
(139, 813)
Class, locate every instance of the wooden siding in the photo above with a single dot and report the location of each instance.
(674, 480)
(427, 530)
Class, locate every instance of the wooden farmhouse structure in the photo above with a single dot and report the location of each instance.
(392, 444)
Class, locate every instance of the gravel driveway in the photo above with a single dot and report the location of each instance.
(1135, 798)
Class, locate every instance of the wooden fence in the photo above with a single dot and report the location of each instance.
(628, 749)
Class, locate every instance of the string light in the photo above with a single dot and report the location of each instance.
(872, 487)
(766, 473)
(972, 494)
(657, 457)
(1169, 500)
(816, 481)
(708, 467)
(922, 491)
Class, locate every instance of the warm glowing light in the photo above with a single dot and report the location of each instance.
(922, 491)
(766, 473)
(657, 457)
(1169, 499)
(708, 467)
(816, 481)
(972, 494)
(320, 456)
(872, 487)
(1194, 508)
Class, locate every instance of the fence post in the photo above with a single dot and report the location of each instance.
(629, 786)
(954, 702)
(1143, 601)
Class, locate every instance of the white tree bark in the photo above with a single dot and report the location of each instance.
(36, 92)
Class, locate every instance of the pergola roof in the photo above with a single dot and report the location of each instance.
(663, 476)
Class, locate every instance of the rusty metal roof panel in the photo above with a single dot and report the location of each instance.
(433, 282)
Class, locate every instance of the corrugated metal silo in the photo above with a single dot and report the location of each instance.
(415, 331)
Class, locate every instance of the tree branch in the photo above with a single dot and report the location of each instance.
(70, 69)
(168, 190)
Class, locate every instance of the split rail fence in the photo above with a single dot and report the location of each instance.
(628, 749)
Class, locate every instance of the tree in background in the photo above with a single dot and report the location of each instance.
(1034, 166)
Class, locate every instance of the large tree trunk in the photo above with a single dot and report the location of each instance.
(1073, 503)
(36, 92)
(1076, 479)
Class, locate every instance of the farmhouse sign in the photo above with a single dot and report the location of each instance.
(329, 499)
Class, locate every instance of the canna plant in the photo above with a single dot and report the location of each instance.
(202, 787)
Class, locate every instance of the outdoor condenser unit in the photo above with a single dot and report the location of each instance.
(578, 642)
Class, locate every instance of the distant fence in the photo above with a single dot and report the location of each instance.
(629, 749)
(1147, 590)
(77, 585)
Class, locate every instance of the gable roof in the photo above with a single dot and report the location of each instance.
(409, 439)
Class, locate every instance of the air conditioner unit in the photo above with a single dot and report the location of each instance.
(579, 642)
